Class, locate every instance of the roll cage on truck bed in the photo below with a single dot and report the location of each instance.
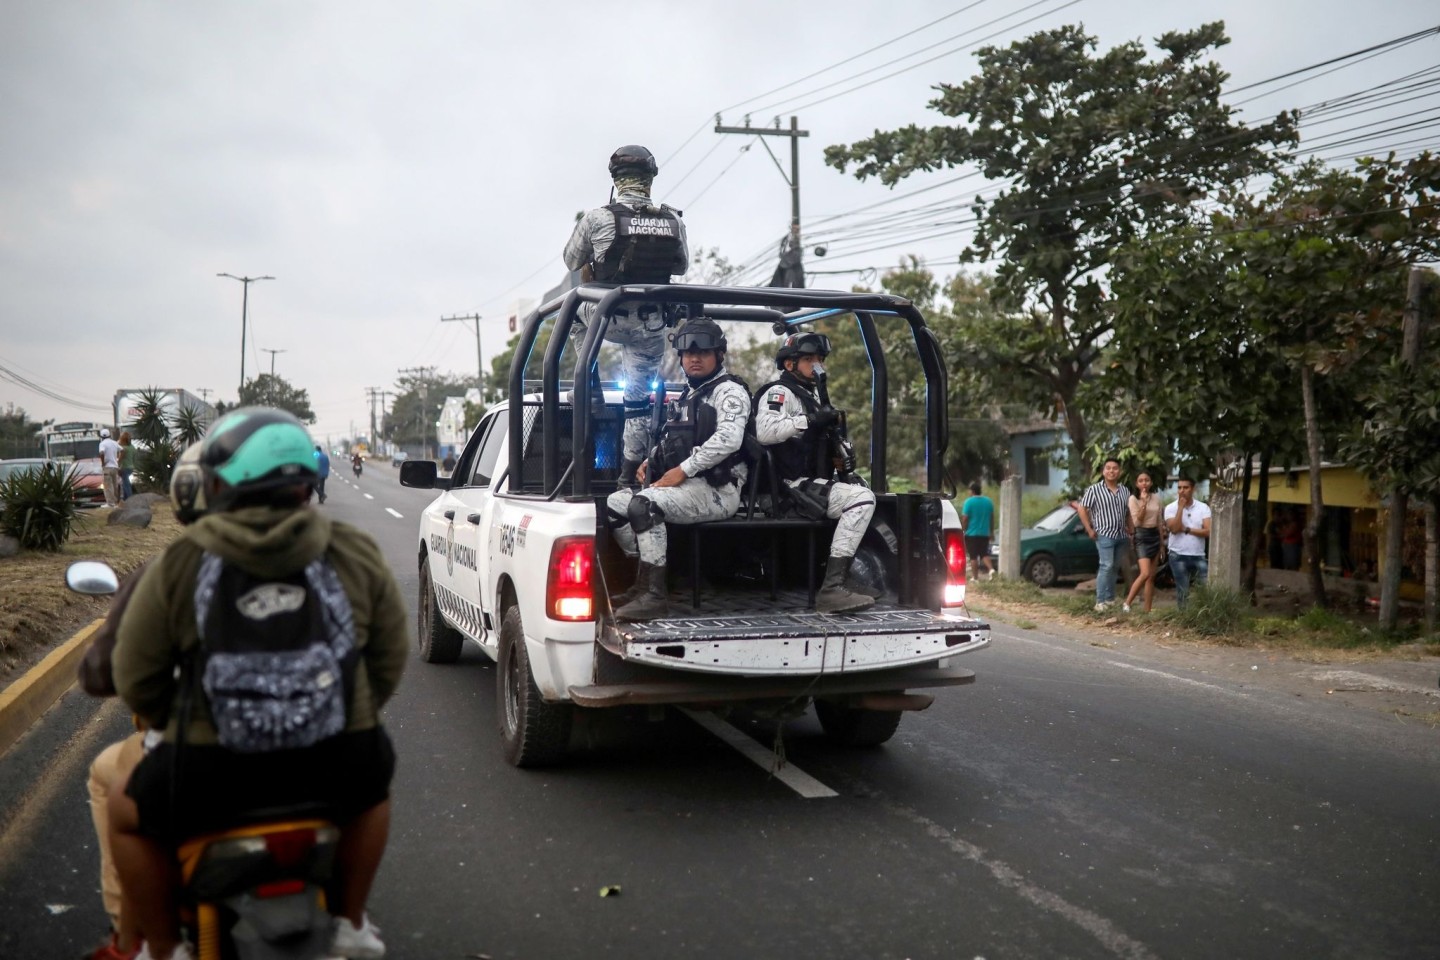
(516, 556)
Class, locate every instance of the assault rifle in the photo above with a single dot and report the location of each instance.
(837, 434)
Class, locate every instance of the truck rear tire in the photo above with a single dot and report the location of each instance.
(438, 641)
(853, 727)
(533, 732)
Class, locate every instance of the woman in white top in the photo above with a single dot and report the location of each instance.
(1145, 512)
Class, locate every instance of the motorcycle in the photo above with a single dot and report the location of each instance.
(255, 891)
(358, 466)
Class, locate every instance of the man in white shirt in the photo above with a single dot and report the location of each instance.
(1188, 521)
(110, 463)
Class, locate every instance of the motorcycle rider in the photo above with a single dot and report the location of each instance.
(357, 462)
(791, 420)
(696, 469)
(631, 240)
(316, 576)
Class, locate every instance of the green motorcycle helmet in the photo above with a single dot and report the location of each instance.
(253, 450)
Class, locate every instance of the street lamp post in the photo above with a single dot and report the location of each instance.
(244, 317)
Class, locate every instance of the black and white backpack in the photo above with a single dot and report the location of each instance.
(277, 655)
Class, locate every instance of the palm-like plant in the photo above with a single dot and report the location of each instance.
(156, 450)
(188, 426)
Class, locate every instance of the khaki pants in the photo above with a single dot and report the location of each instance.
(108, 770)
(112, 486)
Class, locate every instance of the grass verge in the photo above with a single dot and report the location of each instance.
(1211, 614)
(37, 612)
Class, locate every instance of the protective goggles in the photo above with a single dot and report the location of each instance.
(698, 340)
(804, 343)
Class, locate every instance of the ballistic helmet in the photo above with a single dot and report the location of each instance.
(633, 160)
(699, 333)
(254, 449)
(187, 485)
(798, 345)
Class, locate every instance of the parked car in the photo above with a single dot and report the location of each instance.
(1057, 546)
(89, 483)
(398, 457)
(9, 468)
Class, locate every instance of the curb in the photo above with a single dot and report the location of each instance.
(23, 702)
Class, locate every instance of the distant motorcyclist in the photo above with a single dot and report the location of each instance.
(266, 639)
(357, 463)
(791, 419)
(631, 240)
(696, 470)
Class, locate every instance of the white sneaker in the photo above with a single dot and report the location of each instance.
(361, 944)
(182, 951)
(1125, 607)
(990, 575)
(1102, 606)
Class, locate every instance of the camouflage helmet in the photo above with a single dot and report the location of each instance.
(633, 160)
(798, 345)
(254, 449)
(187, 486)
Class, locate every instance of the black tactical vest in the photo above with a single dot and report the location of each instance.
(807, 455)
(645, 248)
(689, 422)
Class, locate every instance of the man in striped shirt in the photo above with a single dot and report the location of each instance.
(1105, 511)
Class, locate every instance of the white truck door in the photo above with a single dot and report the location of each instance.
(472, 505)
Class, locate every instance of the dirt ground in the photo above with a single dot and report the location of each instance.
(37, 612)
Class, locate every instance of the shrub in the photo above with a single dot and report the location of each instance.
(39, 506)
(1213, 611)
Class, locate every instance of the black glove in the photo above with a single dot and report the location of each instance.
(824, 417)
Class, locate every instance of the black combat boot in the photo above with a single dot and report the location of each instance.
(833, 597)
(636, 588)
(628, 470)
(651, 604)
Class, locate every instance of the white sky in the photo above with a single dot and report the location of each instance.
(392, 163)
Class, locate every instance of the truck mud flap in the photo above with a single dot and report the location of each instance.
(696, 689)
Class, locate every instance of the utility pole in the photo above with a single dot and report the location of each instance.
(270, 393)
(244, 318)
(479, 359)
(794, 133)
(424, 374)
(1400, 499)
(371, 393)
(204, 393)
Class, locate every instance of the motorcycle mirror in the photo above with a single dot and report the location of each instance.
(92, 578)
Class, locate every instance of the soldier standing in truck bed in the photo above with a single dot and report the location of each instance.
(633, 239)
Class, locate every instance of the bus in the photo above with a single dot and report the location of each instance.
(72, 441)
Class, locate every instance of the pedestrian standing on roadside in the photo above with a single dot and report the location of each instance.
(977, 516)
(1145, 518)
(127, 465)
(1188, 521)
(322, 464)
(110, 466)
(1105, 511)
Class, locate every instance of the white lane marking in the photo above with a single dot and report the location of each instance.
(790, 775)
(369, 496)
(1110, 936)
(397, 516)
(1171, 676)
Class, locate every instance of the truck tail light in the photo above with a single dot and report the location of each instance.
(954, 569)
(570, 589)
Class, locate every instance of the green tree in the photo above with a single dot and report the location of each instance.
(412, 416)
(17, 433)
(1089, 152)
(269, 390)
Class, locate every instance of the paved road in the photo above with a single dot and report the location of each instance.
(1077, 801)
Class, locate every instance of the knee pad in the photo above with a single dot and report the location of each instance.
(644, 514)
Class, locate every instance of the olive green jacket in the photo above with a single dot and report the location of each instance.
(158, 630)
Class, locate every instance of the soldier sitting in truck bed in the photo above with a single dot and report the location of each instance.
(793, 419)
(695, 471)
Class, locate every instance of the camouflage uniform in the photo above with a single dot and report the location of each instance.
(640, 331)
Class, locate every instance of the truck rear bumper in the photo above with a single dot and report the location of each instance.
(725, 689)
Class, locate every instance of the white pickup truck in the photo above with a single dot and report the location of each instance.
(515, 555)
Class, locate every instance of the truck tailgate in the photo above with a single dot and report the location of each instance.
(791, 644)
